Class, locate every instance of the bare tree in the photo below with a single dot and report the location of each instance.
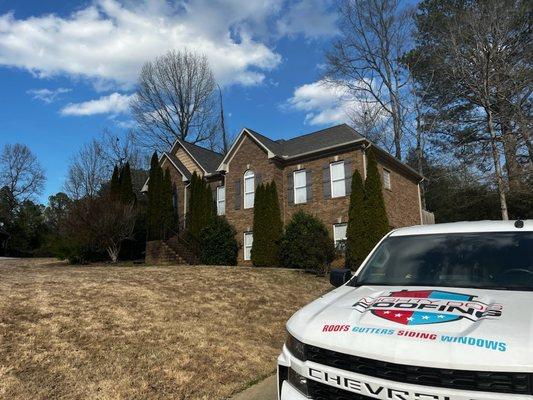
(366, 59)
(21, 173)
(119, 150)
(102, 222)
(175, 98)
(88, 171)
(370, 120)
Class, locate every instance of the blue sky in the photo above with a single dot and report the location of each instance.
(67, 69)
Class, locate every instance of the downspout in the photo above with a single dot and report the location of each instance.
(365, 146)
(420, 202)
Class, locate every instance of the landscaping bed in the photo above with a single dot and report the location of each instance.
(101, 332)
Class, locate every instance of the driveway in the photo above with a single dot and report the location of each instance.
(264, 390)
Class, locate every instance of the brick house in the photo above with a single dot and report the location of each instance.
(312, 172)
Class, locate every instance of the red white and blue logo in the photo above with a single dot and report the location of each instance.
(423, 307)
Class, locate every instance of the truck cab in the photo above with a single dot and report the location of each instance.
(439, 312)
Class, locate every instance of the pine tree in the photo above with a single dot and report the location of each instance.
(375, 214)
(268, 227)
(259, 256)
(167, 207)
(114, 185)
(154, 199)
(356, 231)
(276, 225)
(201, 207)
(126, 186)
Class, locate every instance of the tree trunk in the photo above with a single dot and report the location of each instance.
(510, 145)
(497, 164)
(419, 161)
(397, 126)
(113, 251)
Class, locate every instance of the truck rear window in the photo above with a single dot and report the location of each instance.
(501, 260)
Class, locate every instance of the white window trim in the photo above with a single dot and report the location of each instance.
(387, 183)
(245, 246)
(251, 176)
(338, 180)
(335, 238)
(221, 202)
(299, 187)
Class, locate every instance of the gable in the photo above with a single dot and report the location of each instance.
(245, 139)
(196, 157)
(188, 162)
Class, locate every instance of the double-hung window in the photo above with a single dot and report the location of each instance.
(300, 187)
(248, 242)
(221, 200)
(338, 186)
(249, 189)
(386, 179)
(339, 234)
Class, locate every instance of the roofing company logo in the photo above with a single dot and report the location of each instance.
(422, 307)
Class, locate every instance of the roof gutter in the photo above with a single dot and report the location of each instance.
(321, 150)
(395, 161)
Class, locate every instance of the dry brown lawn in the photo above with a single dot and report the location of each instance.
(100, 332)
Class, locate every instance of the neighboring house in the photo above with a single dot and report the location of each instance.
(312, 172)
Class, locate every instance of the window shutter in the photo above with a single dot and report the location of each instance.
(237, 198)
(290, 188)
(326, 179)
(348, 176)
(258, 179)
(309, 185)
(214, 193)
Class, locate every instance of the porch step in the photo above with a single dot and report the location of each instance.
(182, 250)
(169, 252)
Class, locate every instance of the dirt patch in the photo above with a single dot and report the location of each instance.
(142, 332)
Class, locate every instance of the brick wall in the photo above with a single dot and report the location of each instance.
(248, 156)
(329, 210)
(402, 200)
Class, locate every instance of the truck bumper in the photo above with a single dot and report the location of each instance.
(369, 387)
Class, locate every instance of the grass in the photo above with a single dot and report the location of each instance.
(100, 332)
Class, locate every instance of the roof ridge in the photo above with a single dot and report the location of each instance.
(321, 130)
(259, 133)
(181, 141)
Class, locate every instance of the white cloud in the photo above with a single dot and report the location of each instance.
(323, 103)
(312, 18)
(47, 96)
(108, 41)
(115, 103)
(126, 124)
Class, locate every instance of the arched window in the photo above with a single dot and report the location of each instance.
(249, 189)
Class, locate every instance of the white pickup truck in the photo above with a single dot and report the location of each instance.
(437, 312)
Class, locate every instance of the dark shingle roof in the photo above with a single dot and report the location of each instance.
(179, 165)
(314, 141)
(208, 159)
(319, 140)
(274, 146)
